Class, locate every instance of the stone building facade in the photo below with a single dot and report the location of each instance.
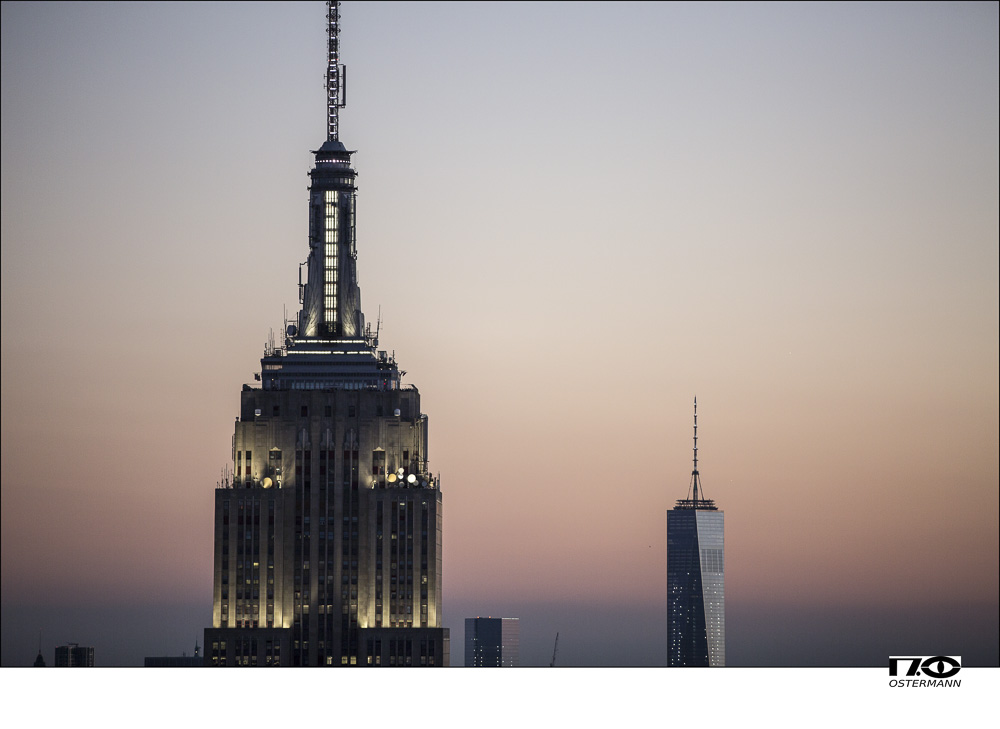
(328, 530)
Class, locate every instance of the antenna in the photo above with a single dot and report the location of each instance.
(695, 478)
(39, 661)
(336, 75)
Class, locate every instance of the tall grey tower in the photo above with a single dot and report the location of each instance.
(696, 580)
(328, 532)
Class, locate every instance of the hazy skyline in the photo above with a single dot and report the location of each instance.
(574, 219)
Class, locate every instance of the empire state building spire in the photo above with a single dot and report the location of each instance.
(328, 344)
(331, 298)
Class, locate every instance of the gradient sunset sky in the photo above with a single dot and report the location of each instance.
(574, 218)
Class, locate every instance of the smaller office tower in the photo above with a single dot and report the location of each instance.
(696, 594)
(492, 642)
(72, 655)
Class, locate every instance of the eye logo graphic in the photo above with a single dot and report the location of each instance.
(934, 668)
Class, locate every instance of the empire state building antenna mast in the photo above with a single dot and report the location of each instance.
(336, 75)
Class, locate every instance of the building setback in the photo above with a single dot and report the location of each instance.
(696, 595)
(328, 531)
(492, 642)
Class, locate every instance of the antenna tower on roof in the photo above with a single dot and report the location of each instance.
(336, 75)
(695, 478)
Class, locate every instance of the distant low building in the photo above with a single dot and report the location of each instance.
(181, 661)
(173, 662)
(492, 642)
(73, 655)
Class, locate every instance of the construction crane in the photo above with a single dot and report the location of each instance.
(554, 649)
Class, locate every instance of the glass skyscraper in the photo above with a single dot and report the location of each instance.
(696, 589)
(492, 642)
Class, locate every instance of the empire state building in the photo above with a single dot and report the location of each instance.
(328, 532)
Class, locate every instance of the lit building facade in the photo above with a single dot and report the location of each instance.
(328, 530)
(696, 586)
(492, 642)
